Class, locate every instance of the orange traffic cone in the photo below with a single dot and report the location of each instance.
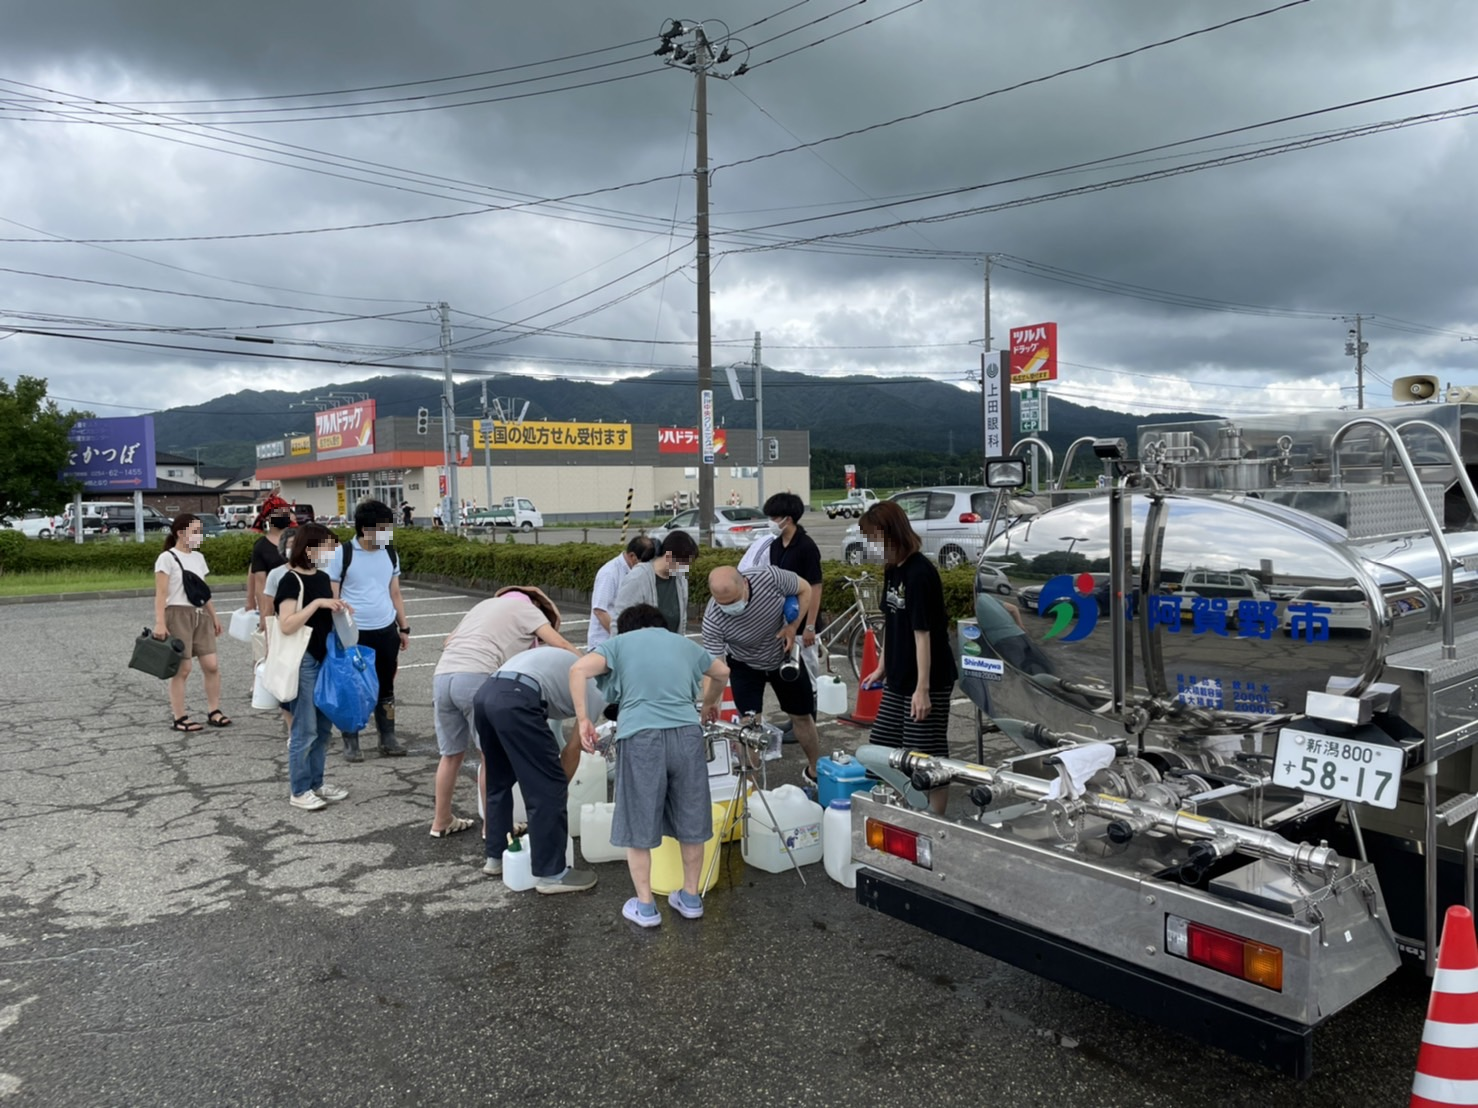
(868, 700)
(1447, 1067)
(726, 710)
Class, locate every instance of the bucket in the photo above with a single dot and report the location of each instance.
(243, 622)
(831, 695)
(799, 822)
(667, 860)
(836, 843)
(260, 697)
(722, 791)
(520, 813)
(588, 786)
(595, 834)
(839, 775)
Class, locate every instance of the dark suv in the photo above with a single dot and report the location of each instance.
(122, 519)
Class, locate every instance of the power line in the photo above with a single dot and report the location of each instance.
(839, 34)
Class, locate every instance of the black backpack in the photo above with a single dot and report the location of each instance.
(197, 592)
(348, 549)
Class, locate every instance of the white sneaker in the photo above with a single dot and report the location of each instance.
(332, 792)
(309, 801)
(493, 867)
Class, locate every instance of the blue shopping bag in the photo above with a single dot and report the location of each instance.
(348, 687)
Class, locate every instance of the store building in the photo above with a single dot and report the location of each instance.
(571, 470)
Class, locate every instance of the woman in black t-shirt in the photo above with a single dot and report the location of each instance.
(916, 666)
(304, 596)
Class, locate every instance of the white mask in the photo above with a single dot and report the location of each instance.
(382, 538)
(194, 541)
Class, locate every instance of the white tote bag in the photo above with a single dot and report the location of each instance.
(758, 554)
(284, 656)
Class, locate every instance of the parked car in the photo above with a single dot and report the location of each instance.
(238, 516)
(302, 513)
(1030, 596)
(852, 505)
(211, 525)
(35, 525)
(92, 524)
(1231, 584)
(991, 578)
(734, 528)
(951, 520)
(1347, 607)
(123, 519)
(517, 511)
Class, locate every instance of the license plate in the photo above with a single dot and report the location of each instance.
(1345, 769)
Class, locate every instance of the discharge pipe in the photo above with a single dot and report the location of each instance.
(928, 772)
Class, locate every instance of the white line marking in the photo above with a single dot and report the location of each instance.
(438, 596)
(415, 665)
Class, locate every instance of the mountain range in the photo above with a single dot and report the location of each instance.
(860, 414)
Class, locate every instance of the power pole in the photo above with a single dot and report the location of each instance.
(686, 44)
(759, 423)
(984, 356)
(450, 515)
(487, 442)
(1355, 347)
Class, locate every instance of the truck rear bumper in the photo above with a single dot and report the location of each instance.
(1278, 1043)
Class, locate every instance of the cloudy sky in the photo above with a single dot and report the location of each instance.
(180, 174)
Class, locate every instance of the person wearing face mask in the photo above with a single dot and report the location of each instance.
(662, 583)
(306, 596)
(745, 624)
(266, 556)
(194, 624)
(608, 583)
(915, 665)
(366, 573)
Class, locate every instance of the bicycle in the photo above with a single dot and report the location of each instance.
(851, 626)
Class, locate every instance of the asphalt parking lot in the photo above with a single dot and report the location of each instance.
(172, 932)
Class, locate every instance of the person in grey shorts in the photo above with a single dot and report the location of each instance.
(492, 632)
(655, 677)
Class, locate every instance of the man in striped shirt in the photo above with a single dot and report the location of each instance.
(745, 623)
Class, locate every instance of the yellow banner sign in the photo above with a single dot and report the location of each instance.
(300, 444)
(553, 436)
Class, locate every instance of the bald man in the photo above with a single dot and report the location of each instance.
(745, 623)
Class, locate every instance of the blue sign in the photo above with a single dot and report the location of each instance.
(109, 455)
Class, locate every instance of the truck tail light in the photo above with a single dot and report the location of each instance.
(901, 843)
(1224, 952)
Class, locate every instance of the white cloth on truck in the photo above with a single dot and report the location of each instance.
(1081, 763)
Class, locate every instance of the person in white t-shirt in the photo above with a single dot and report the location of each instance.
(193, 621)
(515, 619)
(608, 582)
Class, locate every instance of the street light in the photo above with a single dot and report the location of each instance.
(1072, 540)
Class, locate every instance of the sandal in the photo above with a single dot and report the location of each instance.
(185, 723)
(217, 718)
(458, 825)
(807, 776)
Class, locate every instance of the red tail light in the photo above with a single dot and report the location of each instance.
(901, 843)
(970, 517)
(1224, 952)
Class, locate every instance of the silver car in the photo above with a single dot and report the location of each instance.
(734, 528)
(950, 520)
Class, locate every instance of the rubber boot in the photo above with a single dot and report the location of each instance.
(385, 724)
(351, 748)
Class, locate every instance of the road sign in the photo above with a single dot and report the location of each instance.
(706, 431)
(1033, 411)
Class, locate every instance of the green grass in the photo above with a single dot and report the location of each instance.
(60, 581)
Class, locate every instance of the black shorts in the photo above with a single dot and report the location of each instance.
(797, 698)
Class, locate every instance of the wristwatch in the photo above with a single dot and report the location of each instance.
(810, 627)
(404, 630)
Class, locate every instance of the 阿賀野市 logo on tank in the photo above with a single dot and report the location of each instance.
(1066, 598)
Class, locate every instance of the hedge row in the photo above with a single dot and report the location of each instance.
(469, 563)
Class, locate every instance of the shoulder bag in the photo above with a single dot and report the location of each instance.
(197, 592)
(285, 654)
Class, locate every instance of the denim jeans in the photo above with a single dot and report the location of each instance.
(307, 743)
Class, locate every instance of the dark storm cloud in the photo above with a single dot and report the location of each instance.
(1377, 225)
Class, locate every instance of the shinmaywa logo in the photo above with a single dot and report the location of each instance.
(1067, 597)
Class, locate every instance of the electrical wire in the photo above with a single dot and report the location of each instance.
(845, 30)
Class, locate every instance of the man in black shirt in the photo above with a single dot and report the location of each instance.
(796, 551)
(266, 555)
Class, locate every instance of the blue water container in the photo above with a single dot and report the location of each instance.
(838, 776)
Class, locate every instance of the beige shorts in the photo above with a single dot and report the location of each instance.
(193, 627)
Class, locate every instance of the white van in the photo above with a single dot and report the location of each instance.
(239, 516)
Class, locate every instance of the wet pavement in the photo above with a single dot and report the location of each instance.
(172, 932)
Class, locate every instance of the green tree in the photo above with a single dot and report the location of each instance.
(33, 448)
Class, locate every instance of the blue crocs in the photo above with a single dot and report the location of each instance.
(633, 912)
(683, 905)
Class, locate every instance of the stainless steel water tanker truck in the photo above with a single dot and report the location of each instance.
(1241, 698)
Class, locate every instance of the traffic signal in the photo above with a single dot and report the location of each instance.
(423, 417)
(772, 448)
